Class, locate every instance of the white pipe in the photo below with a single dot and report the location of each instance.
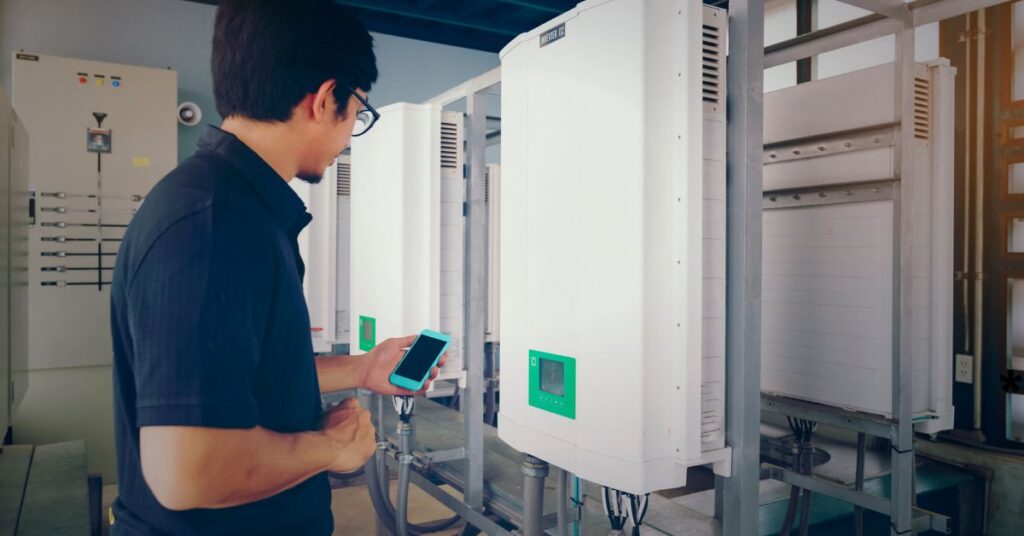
(979, 218)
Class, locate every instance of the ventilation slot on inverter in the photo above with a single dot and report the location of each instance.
(711, 46)
(449, 145)
(922, 108)
(344, 178)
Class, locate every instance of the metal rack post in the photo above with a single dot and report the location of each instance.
(736, 497)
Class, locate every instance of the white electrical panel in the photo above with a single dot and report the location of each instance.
(408, 229)
(110, 133)
(5, 261)
(829, 242)
(492, 197)
(18, 260)
(613, 242)
(103, 134)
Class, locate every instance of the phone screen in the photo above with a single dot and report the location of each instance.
(420, 358)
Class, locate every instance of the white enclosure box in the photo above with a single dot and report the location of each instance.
(408, 229)
(5, 261)
(828, 308)
(613, 242)
(343, 275)
(103, 134)
(323, 245)
(492, 198)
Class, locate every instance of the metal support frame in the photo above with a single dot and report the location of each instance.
(737, 497)
(905, 518)
(894, 9)
(865, 29)
(476, 294)
(902, 493)
(471, 507)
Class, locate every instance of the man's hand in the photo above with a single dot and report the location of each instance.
(348, 424)
(378, 365)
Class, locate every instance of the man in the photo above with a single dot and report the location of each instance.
(217, 393)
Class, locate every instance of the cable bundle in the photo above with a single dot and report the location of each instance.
(617, 512)
(404, 406)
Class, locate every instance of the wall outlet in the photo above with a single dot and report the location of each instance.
(965, 368)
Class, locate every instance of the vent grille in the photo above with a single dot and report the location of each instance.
(487, 185)
(711, 46)
(344, 178)
(449, 145)
(922, 108)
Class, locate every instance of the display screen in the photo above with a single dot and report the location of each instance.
(419, 359)
(367, 327)
(552, 377)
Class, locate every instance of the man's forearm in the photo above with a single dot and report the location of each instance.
(188, 467)
(340, 373)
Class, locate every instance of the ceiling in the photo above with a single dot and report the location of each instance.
(478, 24)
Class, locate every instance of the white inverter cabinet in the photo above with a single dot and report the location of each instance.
(323, 245)
(832, 192)
(408, 229)
(612, 230)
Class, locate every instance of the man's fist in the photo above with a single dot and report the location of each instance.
(348, 424)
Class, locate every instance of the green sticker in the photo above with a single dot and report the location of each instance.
(553, 383)
(367, 333)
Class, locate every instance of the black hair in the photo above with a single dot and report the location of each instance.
(269, 54)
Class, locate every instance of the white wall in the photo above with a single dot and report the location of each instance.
(77, 403)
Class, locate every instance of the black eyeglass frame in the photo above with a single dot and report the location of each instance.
(369, 108)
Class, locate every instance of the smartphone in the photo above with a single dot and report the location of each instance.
(414, 368)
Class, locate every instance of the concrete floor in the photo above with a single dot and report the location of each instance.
(353, 512)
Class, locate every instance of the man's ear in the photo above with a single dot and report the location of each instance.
(322, 99)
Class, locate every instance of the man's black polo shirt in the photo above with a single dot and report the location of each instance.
(211, 329)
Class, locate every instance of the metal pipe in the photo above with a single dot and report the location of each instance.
(979, 217)
(858, 511)
(968, 336)
(404, 463)
(534, 472)
(560, 502)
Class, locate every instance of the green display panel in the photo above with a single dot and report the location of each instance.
(553, 383)
(367, 333)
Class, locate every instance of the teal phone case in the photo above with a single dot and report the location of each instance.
(415, 384)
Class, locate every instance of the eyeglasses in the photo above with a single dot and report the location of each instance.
(366, 117)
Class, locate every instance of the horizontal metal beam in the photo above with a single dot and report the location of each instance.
(828, 39)
(863, 499)
(865, 29)
(453, 503)
(438, 16)
(875, 425)
(947, 9)
(488, 80)
(923, 520)
(894, 9)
